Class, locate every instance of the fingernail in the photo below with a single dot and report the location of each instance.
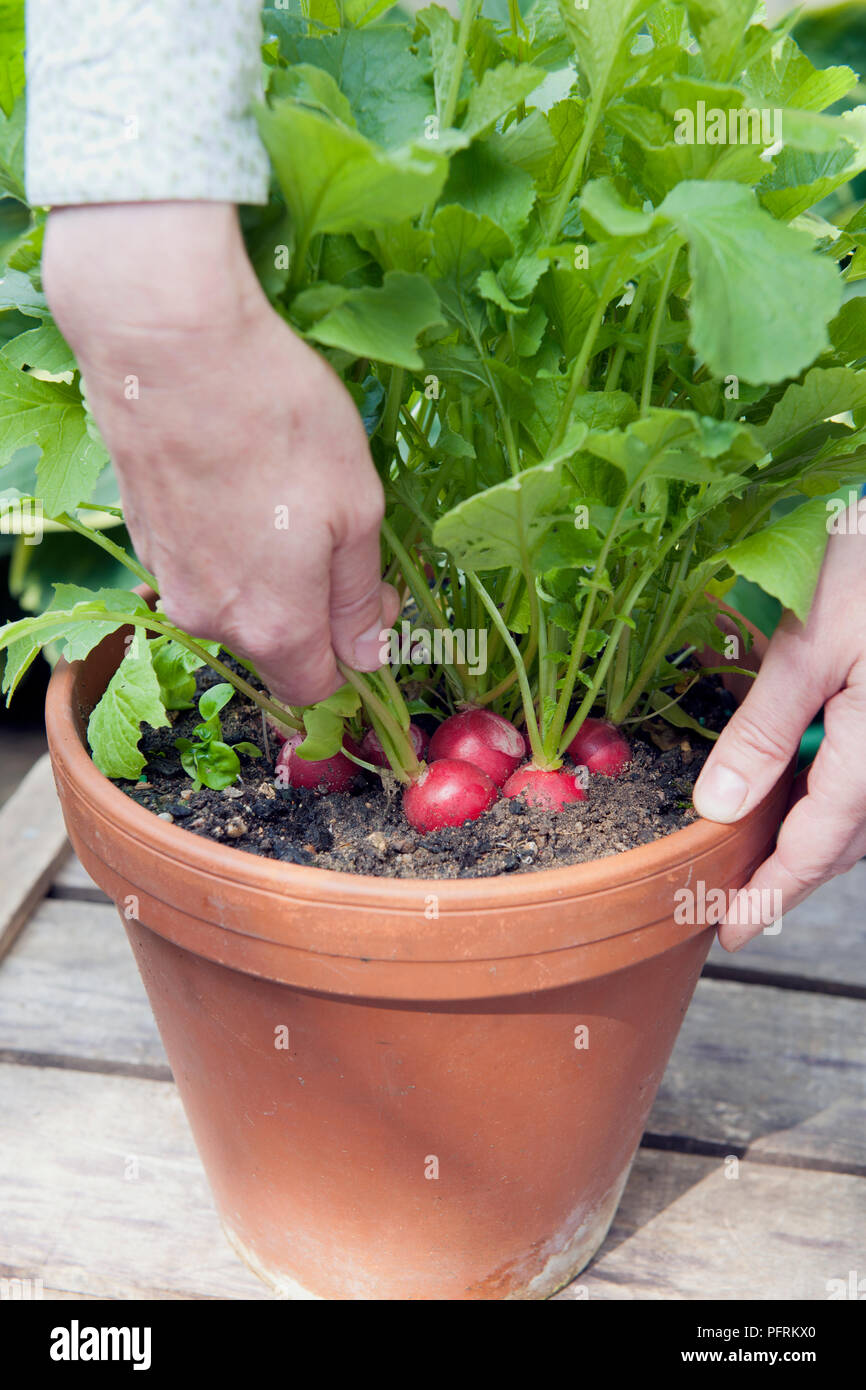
(719, 793)
(371, 648)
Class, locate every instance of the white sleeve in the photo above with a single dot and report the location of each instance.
(143, 100)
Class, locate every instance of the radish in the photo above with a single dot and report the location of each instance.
(373, 752)
(549, 791)
(480, 737)
(448, 792)
(600, 747)
(335, 774)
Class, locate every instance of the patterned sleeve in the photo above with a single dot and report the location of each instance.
(143, 100)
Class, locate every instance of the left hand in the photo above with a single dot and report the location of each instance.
(821, 663)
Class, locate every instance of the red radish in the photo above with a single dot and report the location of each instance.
(373, 752)
(481, 737)
(334, 774)
(549, 791)
(601, 747)
(448, 792)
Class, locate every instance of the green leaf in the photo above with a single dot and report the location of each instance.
(217, 765)
(324, 734)
(443, 46)
(175, 668)
(825, 391)
(490, 530)
(250, 749)
(500, 90)
(482, 180)
(79, 638)
(673, 444)
(215, 699)
(324, 724)
(719, 26)
(848, 329)
(601, 35)
(12, 152)
(17, 291)
(131, 699)
(784, 76)
(50, 414)
(603, 207)
(11, 53)
(382, 324)
(384, 80)
(761, 297)
(800, 179)
(785, 558)
(344, 181)
(314, 87)
(464, 242)
(676, 715)
(44, 349)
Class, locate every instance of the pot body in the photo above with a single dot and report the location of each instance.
(404, 1089)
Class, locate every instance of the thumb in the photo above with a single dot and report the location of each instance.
(361, 606)
(762, 737)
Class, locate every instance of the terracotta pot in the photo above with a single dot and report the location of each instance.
(386, 1079)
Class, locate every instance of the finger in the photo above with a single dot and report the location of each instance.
(294, 656)
(763, 735)
(824, 833)
(360, 603)
(284, 628)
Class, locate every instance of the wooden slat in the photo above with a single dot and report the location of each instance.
(70, 1216)
(685, 1230)
(69, 989)
(32, 844)
(73, 881)
(823, 940)
(776, 1071)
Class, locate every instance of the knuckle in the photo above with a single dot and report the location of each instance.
(345, 607)
(759, 737)
(189, 615)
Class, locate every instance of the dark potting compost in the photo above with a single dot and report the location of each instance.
(364, 831)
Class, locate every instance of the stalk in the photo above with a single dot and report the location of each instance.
(392, 405)
(582, 360)
(110, 547)
(538, 753)
(405, 765)
(558, 209)
(452, 96)
(153, 623)
(615, 369)
(655, 333)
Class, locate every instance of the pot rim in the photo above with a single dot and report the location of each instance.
(307, 882)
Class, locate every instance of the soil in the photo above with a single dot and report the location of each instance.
(365, 832)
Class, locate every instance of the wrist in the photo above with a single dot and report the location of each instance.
(119, 269)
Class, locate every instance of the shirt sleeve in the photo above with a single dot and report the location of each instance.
(143, 100)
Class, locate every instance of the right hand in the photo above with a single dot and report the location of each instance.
(235, 419)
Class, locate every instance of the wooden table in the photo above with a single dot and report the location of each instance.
(750, 1182)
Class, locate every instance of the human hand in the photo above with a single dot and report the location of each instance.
(821, 663)
(216, 416)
